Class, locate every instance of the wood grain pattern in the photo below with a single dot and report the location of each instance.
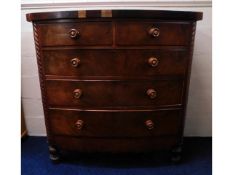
(120, 14)
(187, 79)
(113, 93)
(57, 34)
(42, 79)
(115, 124)
(134, 33)
(105, 62)
(114, 81)
(113, 145)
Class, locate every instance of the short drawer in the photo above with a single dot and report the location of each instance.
(153, 33)
(114, 93)
(130, 62)
(81, 34)
(115, 124)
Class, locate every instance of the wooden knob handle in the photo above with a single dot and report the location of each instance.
(74, 33)
(75, 62)
(77, 93)
(149, 124)
(153, 61)
(79, 124)
(151, 93)
(154, 32)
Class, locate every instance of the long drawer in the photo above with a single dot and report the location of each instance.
(120, 62)
(115, 124)
(114, 93)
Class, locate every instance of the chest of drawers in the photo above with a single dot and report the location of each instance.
(114, 80)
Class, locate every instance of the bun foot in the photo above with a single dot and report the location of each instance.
(54, 155)
(176, 159)
(176, 154)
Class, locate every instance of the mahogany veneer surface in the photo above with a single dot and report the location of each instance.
(114, 80)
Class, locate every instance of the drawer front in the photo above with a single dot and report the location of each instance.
(81, 34)
(97, 93)
(117, 145)
(70, 62)
(115, 124)
(153, 33)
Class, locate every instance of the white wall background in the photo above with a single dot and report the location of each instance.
(199, 111)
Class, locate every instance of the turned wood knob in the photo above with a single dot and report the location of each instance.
(75, 62)
(151, 93)
(79, 124)
(77, 93)
(154, 32)
(149, 124)
(74, 33)
(153, 61)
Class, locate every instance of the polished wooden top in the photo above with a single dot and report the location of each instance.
(153, 14)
